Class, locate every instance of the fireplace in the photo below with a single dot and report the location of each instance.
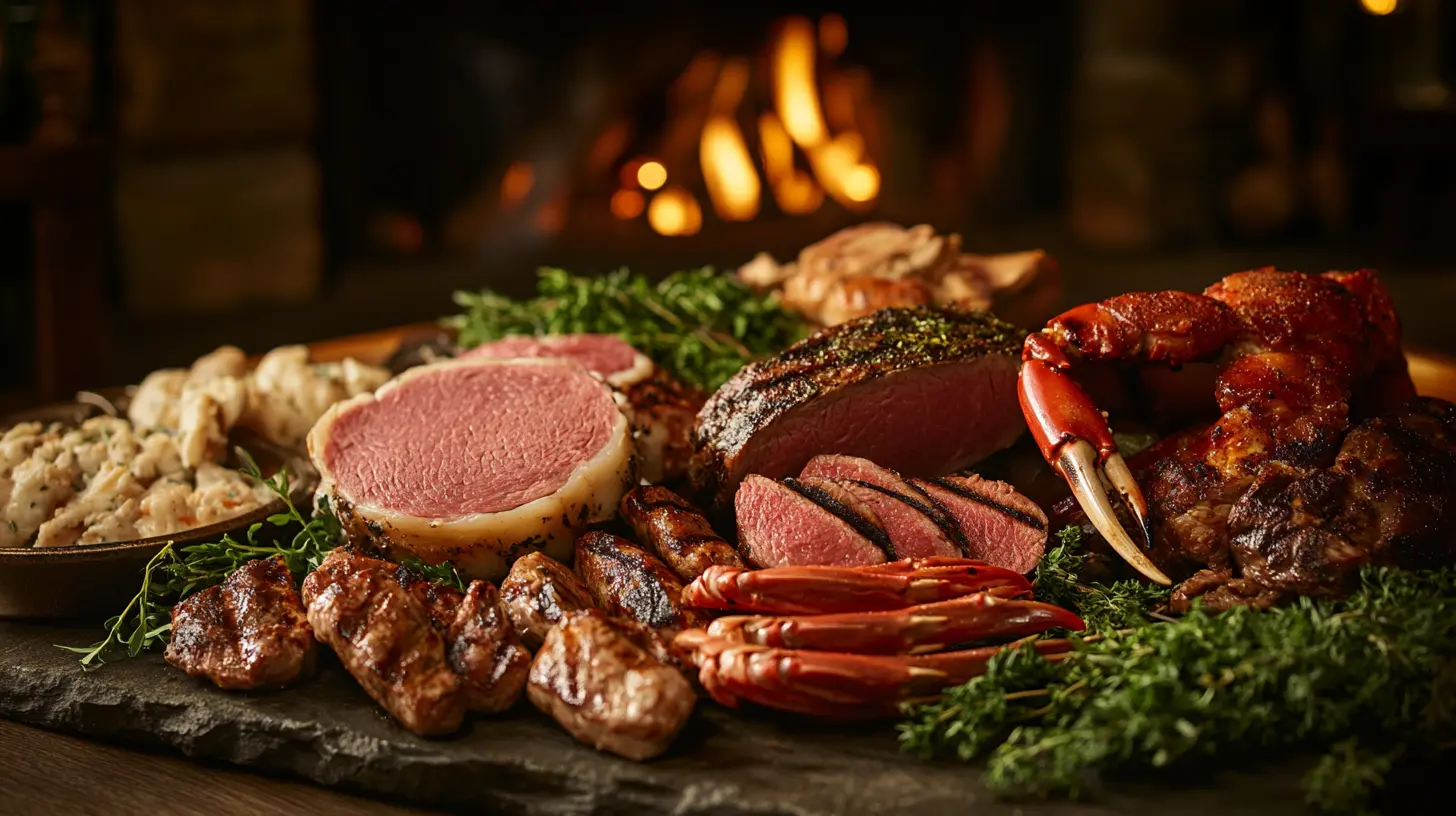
(658, 135)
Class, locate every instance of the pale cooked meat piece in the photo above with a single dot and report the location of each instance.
(676, 531)
(287, 394)
(165, 508)
(486, 652)
(385, 639)
(222, 493)
(628, 582)
(106, 493)
(44, 481)
(159, 457)
(155, 402)
(116, 525)
(223, 361)
(249, 632)
(476, 461)
(598, 678)
(15, 447)
(538, 593)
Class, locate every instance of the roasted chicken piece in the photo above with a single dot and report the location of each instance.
(538, 593)
(486, 652)
(676, 531)
(247, 633)
(598, 677)
(628, 582)
(1299, 357)
(386, 639)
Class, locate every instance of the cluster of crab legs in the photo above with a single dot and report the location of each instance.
(857, 642)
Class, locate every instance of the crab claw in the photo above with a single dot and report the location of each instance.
(1075, 440)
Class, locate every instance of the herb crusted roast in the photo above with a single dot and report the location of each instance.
(476, 461)
(924, 391)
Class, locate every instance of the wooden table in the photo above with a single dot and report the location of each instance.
(43, 772)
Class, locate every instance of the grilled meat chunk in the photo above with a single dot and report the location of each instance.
(486, 652)
(441, 600)
(1002, 527)
(598, 678)
(924, 391)
(538, 593)
(1389, 499)
(247, 633)
(676, 531)
(384, 636)
(628, 582)
(786, 522)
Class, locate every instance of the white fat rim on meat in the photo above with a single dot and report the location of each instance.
(482, 545)
(642, 368)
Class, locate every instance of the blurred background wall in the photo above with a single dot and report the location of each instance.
(175, 174)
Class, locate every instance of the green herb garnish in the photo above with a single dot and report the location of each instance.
(1367, 679)
(443, 573)
(173, 574)
(700, 325)
(1104, 607)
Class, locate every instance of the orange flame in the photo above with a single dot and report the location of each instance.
(795, 192)
(728, 170)
(674, 211)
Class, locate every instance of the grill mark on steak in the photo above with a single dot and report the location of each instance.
(856, 520)
(938, 515)
(676, 531)
(631, 583)
(965, 492)
(858, 469)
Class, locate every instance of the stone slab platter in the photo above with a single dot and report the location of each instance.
(725, 762)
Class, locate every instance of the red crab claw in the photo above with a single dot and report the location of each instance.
(823, 590)
(1075, 440)
(916, 630)
(832, 684)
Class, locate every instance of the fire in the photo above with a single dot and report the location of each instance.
(803, 156)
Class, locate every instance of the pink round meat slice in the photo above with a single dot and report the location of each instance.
(856, 469)
(780, 524)
(476, 461)
(606, 354)
(1002, 527)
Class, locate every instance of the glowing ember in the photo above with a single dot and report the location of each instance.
(674, 211)
(651, 175)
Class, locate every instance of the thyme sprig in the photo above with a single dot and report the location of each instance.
(1104, 607)
(700, 325)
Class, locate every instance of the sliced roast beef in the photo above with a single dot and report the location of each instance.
(476, 461)
(790, 523)
(924, 391)
(663, 408)
(918, 524)
(1003, 527)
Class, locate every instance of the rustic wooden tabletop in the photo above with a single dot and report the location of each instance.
(44, 772)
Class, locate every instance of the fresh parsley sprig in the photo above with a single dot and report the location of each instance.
(700, 325)
(1104, 607)
(1367, 679)
(173, 574)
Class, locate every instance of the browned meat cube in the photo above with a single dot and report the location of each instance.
(486, 652)
(598, 678)
(384, 636)
(247, 633)
(538, 592)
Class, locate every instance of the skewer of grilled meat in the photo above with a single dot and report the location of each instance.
(385, 637)
(538, 593)
(600, 679)
(249, 632)
(628, 582)
(676, 531)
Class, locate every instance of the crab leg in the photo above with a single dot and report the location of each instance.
(916, 630)
(832, 684)
(1074, 439)
(821, 590)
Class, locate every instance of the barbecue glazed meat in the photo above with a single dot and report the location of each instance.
(923, 391)
(676, 531)
(538, 593)
(486, 652)
(386, 639)
(598, 678)
(1389, 499)
(628, 582)
(247, 633)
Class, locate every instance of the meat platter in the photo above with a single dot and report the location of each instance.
(664, 540)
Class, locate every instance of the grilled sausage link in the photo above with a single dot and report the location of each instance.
(538, 593)
(629, 582)
(670, 526)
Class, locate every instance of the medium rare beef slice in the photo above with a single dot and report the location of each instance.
(864, 472)
(788, 523)
(599, 679)
(384, 637)
(249, 632)
(538, 593)
(476, 461)
(924, 391)
(1002, 527)
(628, 582)
(676, 531)
(663, 408)
(485, 651)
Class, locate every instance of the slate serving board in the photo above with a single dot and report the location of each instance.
(725, 762)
